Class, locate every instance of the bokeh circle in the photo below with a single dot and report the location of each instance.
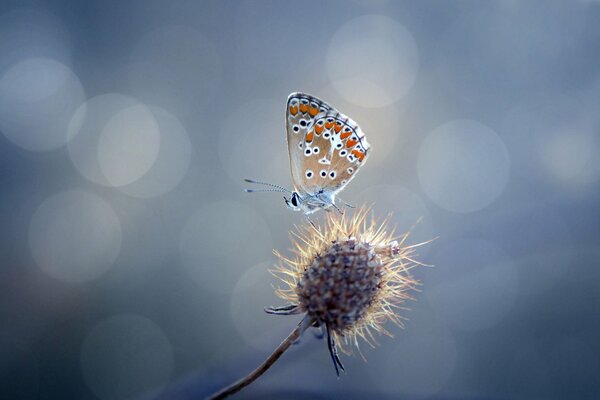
(463, 166)
(38, 96)
(372, 61)
(75, 236)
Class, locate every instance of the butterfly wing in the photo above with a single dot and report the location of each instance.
(338, 150)
(301, 111)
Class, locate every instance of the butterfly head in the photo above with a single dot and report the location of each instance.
(294, 202)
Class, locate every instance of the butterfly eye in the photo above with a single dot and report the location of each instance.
(309, 174)
(323, 173)
(343, 153)
(320, 123)
(332, 174)
(350, 170)
(300, 144)
(351, 157)
(329, 119)
(308, 151)
(304, 101)
(339, 145)
(296, 128)
(316, 150)
(347, 129)
(326, 135)
(303, 122)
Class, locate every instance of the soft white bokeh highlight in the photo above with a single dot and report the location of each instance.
(475, 285)
(172, 161)
(114, 139)
(37, 99)
(571, 157)
(463, 166)
(176, 68)
(128, 145)
(75, 236)
(372, 61)
(222, 240)
(126, 357)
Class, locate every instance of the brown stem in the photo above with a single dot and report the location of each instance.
(262, 368)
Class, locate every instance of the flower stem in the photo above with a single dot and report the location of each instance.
(261, 369)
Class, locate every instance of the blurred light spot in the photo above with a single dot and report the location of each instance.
(114, 139)
(38, 96)
(463, 166)
(372, 61)
(552, 138)
(172, 161)
(256, 131)
(175, 68)
(128, 145)
(221, 241)
(30, 32)
(408, 211)
(126, 356)
(75, 236)
(251, 294)
(419, 364)
(474, 284)
(570, 157)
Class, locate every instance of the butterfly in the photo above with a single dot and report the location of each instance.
(326, 149)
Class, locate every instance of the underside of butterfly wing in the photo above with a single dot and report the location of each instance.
(334, 150)
(301, 112)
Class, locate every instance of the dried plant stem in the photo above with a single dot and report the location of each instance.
(262, 368)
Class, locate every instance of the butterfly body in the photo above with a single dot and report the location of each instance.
(326, 149)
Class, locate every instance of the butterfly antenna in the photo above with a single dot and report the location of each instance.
(281, 188)
(264, 190)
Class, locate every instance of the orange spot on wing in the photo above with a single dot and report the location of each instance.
(313, 111)
(309, 136)
(328, 125)
(304, 107)
(344, 135)
(338, 127)
(358, 154)
(350, 143)
(318, 129)
(293, 110)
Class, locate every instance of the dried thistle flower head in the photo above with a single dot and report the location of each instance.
(349, 277)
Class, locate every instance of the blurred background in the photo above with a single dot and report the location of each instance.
(133, 265)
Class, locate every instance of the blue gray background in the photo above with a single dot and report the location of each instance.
(134, 266)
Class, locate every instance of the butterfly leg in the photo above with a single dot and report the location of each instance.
(337, 208)
(346, 204)
(333, 353)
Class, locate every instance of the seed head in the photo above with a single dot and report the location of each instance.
(350, 276)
